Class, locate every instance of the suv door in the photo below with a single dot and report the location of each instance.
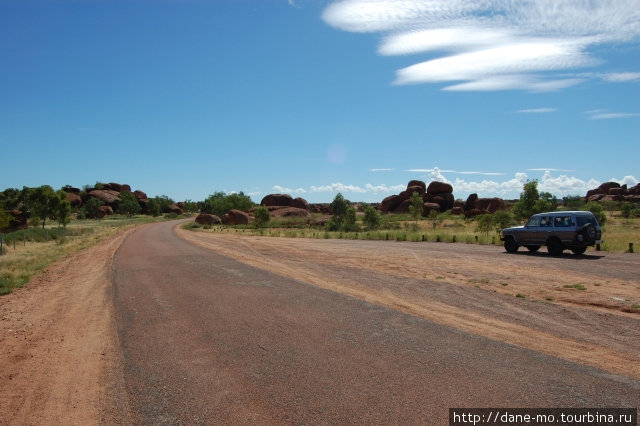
(531, 232)
(564, 227)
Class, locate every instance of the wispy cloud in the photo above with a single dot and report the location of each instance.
(381, 170)
(549, 169)
(493, 44)
(437, 172)
(614, 115)
(536, 111)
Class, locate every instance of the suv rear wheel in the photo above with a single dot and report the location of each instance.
(590, 232)
(554, 247)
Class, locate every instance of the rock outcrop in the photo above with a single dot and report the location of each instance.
(235, 217)
(290, 212)
(475, 206)
(277, 200)
(439, 193)
(208, 219)
(285, 200)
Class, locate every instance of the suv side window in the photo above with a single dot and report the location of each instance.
(534, 221)
(546, 221)
(582, 220)
(562, 221)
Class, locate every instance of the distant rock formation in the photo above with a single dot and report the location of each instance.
(613, 191)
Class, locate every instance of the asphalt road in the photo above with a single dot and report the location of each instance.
(209, 340)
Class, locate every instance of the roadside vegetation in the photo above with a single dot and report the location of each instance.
(39, 226)
(620, 222)
(28, 252)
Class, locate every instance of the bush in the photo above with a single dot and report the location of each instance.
(595, 208)
(220, 203)
(371, 218)
(262, 216)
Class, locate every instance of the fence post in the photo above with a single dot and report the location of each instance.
(630, 247)
(1, 249)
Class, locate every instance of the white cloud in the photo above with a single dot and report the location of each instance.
(284, 190)
(565, 185)
(493, 44)
(627, 180)
(381, 170)
(338, 187)
(384, 188)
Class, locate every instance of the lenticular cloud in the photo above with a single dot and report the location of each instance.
(491, 44)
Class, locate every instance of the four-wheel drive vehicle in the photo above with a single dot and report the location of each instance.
(574, 230)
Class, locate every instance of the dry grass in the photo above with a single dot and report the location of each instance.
(617, 234)
(33, 254)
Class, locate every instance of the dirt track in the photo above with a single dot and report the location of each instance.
(473, 288)
(62, 362)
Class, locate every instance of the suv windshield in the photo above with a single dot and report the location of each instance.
(582, 220)
(534, 221)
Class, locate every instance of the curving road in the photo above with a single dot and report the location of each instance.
(209, 340)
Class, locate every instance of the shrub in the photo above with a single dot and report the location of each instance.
(595, 208)
(371, 218)
(262, 216)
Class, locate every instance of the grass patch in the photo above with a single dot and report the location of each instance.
(576, 286)
(521, 296)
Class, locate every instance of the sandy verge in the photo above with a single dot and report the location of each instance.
(469, 292)
(59, 351)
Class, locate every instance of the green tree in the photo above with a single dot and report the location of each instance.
(128, 204)
(91, 206)
(371, 218)
(598, 211)
(484, 223)
(532, 202)
(501, 219)
(63, 209)
(262, 216)
(349, 224)
(626, 209)
(5, 219)
(339, 208)
(154, 207)
(43, 203)
(220, 203)
(415, 208)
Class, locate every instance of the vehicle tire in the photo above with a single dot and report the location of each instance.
(554, 247)
(590, 232)
(510, 245)
(578, 250)
(533, 249)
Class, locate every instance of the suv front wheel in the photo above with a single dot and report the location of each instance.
(554, 247)
(510, 245)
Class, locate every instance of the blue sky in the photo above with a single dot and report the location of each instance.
(188, 97)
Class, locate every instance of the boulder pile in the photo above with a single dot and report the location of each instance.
(475, 206)
(109, 194)
(613, 191)
(438, 196)
(284, 205)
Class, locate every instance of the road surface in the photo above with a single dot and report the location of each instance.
(207, 339)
